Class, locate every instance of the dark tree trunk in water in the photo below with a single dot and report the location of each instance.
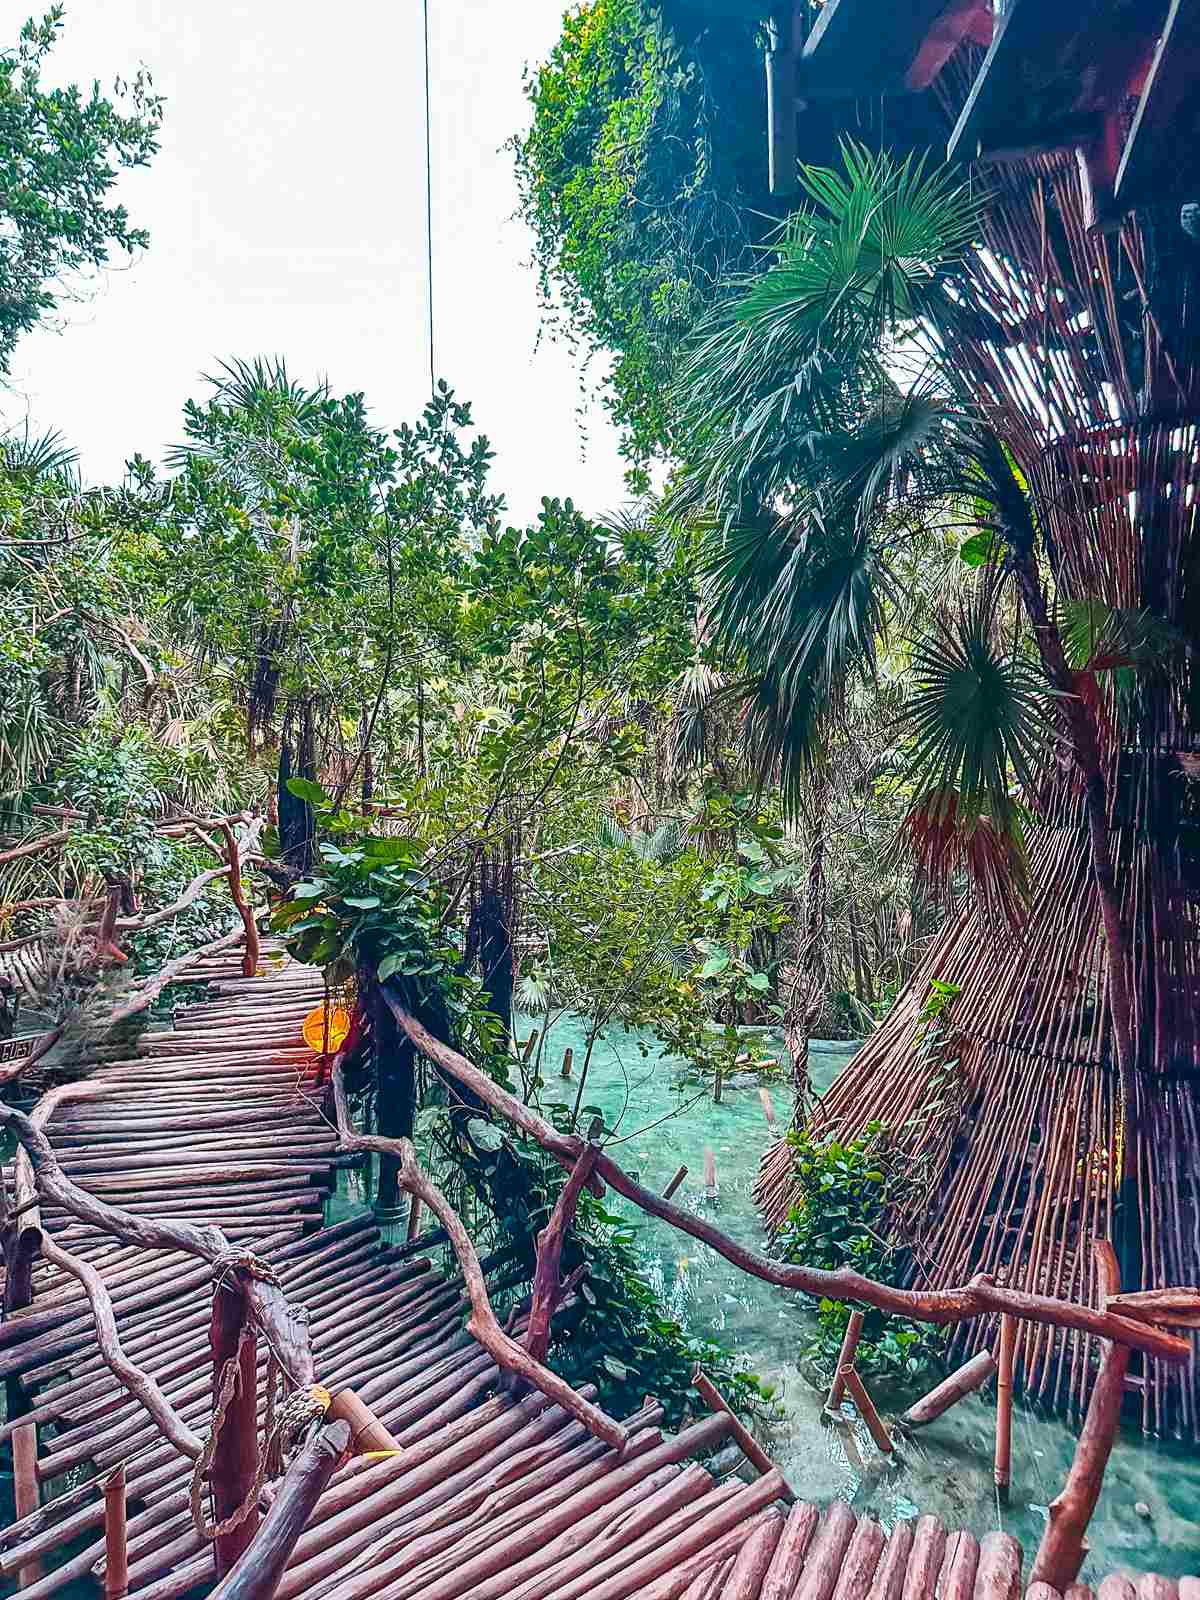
(395, 1093)
(491, 938)
(297, 827)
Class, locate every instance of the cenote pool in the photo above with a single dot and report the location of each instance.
(947, 1468)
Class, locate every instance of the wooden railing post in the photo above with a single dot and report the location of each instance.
(547, 1272)
(257, 1575)
(235, 1455)
(116, 1553)
(25, 1489)
(1060, 1554)
(1004, 1398)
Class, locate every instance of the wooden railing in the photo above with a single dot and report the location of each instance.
(1123, 1323)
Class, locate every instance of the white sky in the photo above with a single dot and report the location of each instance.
(287, 216)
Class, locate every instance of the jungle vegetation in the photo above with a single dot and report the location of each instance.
(723, 756)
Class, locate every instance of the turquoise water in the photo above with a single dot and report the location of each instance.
(662, 1121)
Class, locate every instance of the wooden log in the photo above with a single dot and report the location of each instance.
(710, 1172)
(367, 1433)
(680, 1174)
(845, 1359)
(998, 1576)
(25, 1490)
(753, 1560)
(959, 1566)
(820, 1574)
(257, 1574)
(860, 1561)
(867, 1411)
(1116, 1587)
(1060, 1554)
(888, 1583)
(235, 1456)
(1002, 1471)
(764, 1094)
(116, 1555)
(1040, 1591)
(707, 1585)
(717, 1087)
(568, 1058)
(414, 1218)
(788, 1561)
(548, 1266)
(972, 1375)
(1080, 1591)
(925, 1559)
(748, 1444)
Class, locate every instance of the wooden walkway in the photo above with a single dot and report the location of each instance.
(493, 1498)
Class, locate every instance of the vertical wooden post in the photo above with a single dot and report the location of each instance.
(717, 1088)
(680, 1174)
(845, 1359)
(1060, 1554)
(1004, 1386)
(116, 1554)
(710, 1172)
(235, 1458)
(546, 1272)
(25, 1486)
(568, 1057)
(866, 1410)
(764, 1094)
(414, 1218)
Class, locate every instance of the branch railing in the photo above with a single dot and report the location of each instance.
(1124, 1323)
(1139, 1322)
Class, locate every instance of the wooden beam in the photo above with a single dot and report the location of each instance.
(1160, 151)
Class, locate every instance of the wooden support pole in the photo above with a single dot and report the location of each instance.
(972, 1375)
(749, 1445)
(568, 1057)
(547, 1271)
(235, 1457)
(764, 1094)
(25, 1487)
(867, 1411)
(116, 1555)
(529, 1046)
(710, 1172)
(414, 1218)
(366, 1431)
(257, 1576)
(1004, 1387)
(680, 1174)
(1060, 1554)
(717, 1082)
(845, 1359)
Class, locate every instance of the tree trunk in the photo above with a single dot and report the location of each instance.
(235, 1458)
(395, 1094)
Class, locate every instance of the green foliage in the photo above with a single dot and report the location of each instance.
(642, 178)
(60, 153)
(847, 1189)
(618, 1336)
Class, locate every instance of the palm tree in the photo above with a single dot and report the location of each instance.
(797, 382)
(908, 363)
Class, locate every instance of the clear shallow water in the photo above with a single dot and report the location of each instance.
(947, 1468)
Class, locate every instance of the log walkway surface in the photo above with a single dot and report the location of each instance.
(493, 1497)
